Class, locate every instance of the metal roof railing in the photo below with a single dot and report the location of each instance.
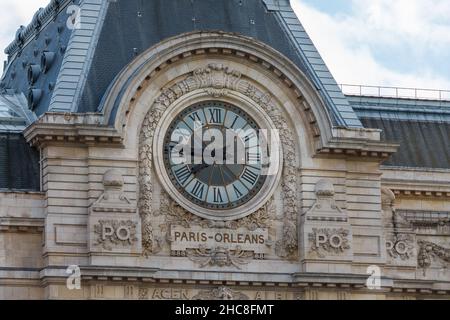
(395, 92)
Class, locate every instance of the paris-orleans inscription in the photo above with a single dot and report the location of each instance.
(183, 239)
(219, 247)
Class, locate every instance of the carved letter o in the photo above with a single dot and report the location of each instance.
(401, 247)
(123, 233)
(336, 241)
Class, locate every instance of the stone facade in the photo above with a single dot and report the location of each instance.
(338, 226)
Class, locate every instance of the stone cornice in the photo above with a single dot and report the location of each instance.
(408, 188)
(305, 281)
(63, 128)
(358, 148)
(27, 225)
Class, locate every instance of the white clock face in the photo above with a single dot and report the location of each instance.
(214, 169)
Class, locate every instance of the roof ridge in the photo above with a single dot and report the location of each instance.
(40, 19)
(73, 74)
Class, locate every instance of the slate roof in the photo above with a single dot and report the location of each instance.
(421, 127)
(46, 34)
(87, 59)
(19, 163)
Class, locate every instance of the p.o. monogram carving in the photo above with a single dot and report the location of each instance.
(400, 246)
(329, 241)
(217, 79)
(112, 233)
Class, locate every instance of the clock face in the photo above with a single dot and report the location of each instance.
(212, 154)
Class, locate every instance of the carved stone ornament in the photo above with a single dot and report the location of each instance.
(176, 215)
(400, 246)
(429, 251)
(216, 79)
(329, 241)
(113, 233)
(220, 257)
(113, 198)
(143, 293)
(325, 207)
(221, 293)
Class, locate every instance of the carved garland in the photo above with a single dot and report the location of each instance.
(217, 80)
(429, 251)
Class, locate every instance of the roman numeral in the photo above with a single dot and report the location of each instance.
(250, 136)
(183, 174)
(216, 116)
(198, 190)
(234, 122)
(217, 195)
(249, 176)
(253, 157)
(168, 149)
(237, 192)
(195, 117)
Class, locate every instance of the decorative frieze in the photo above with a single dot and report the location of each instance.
(424, 222)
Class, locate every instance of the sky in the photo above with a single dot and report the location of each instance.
(402, 43)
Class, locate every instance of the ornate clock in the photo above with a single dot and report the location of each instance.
(210, 157)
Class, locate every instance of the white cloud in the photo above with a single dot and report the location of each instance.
(413, 29)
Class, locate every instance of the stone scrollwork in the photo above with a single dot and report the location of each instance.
(217, 80)
(221, 257)
(329, 241)
(288, 244)
(221, 293)
(429, 251)
(177, 215)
